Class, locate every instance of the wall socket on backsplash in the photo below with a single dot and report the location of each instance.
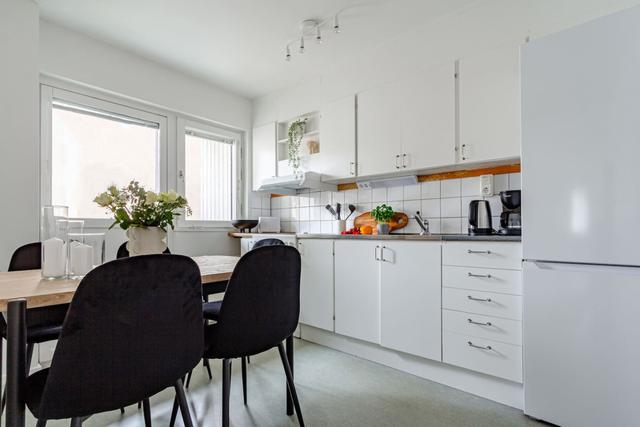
(486, 185)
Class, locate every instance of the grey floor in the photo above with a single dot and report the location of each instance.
(335, 390)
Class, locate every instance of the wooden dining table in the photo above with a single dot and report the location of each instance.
(21, 290)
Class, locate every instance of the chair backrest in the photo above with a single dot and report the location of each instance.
(267, 242)
(134, 328)
(27, 257)
(261, 305)
(123, 252)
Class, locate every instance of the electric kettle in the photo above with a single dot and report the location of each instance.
(480, 218)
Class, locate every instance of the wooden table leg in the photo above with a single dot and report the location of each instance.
(16, 361)
(289, 345)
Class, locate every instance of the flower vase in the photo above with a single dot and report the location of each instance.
(146, 240)
(383, 228)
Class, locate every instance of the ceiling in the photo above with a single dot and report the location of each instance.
(240, 44)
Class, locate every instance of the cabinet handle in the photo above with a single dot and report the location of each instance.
(488, 347)
(484, 276)
(473, 322)
(397, 159)
(376, 253)
(469, 251)
(382, 254)
(463, 152)
(404, 158)
(352, 168)
(478, 299)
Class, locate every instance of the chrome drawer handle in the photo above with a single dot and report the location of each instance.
(469, 251)
(479, 299)
(479, 346)
(484, 276)
(479, 323)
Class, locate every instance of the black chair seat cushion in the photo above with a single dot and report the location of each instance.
(211, 310)
(34, 390)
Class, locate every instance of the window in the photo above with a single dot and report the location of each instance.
(94, 144)
(210, 160)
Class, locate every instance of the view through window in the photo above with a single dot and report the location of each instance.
(92, 149)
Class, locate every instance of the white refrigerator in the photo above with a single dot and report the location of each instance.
(581, 224)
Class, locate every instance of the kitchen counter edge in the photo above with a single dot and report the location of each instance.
(430, 237)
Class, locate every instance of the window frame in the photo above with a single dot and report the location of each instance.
(204, 128)
(50, 93)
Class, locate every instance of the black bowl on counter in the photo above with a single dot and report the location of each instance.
(244, 225)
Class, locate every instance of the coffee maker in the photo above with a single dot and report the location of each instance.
(511, 218)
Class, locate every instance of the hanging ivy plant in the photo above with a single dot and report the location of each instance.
(296, 133)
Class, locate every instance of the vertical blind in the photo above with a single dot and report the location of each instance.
(209, 164)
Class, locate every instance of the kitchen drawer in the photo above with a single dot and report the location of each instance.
(483, 279)
(485, 303)
(483, 254)
(493, 358)
(491, 328)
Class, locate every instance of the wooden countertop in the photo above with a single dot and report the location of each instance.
(41, 293)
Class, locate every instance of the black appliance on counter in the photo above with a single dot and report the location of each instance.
(511, 217)
(480, 218)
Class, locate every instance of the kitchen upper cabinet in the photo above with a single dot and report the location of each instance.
(408, 124)
(357, 291)
(316, 283)
(337, 155)
(427, 122)
(410, 298)
(378, 141)
(264, 153)
(490, 105)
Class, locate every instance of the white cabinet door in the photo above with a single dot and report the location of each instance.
(378, 139)
(263, 153)
(357, 292)
(337, 155)
(490, 105)
(428, 119)
(410, 317)
(316, 283)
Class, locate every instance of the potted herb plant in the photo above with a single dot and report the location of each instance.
(145, 215)
(383, 214)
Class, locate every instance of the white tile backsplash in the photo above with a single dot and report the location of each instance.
(444, 203)
(450, 188)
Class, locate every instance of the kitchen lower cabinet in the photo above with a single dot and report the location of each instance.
(357, 289)
(410, 303)
(316, 283)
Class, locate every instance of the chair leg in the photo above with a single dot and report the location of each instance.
(146, 407)
(174, 412)
(41, 423)
(292, 386)
(226, 390)
(3, 404)
(122, 410)
(244, 379)
(188, 379)
(205, 362)
(182, 401)
(249, 360)
(76, 422)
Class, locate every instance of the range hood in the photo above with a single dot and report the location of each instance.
(387, 182)
(294, 184)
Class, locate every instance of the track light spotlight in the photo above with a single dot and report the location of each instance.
(336, 24)
(288, 55)
(318, 35)
(302, 44)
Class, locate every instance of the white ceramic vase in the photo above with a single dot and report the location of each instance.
(146, 240)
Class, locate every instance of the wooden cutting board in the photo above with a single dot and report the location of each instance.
(400, 220)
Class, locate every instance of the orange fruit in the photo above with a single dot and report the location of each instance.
(366, 229)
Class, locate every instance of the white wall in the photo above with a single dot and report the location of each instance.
(484, 25)
(19, 127)
(71, 56)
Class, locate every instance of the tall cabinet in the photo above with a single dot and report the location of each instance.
(264, 153)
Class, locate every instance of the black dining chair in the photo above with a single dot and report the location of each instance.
(43, 323)
(260, 310)
(211, 311)
(120, 311)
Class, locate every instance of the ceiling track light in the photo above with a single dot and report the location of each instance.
(311, 29)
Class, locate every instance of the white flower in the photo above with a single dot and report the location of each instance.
(170, 196)
(151, 198)
(113, 190)
(103, 199)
